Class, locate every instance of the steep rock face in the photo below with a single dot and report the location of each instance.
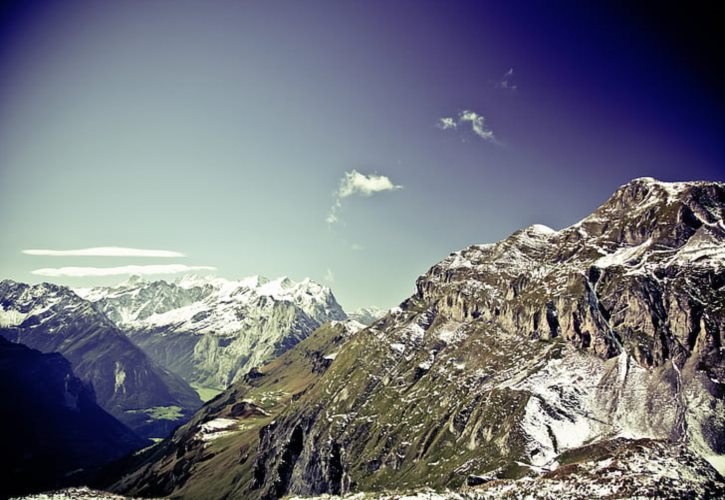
(51, 423)
(508, 356)
(619, 468)
(127, 384)
(640, 271)
(210, 330)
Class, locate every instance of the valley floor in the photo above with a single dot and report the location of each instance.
(205, 393)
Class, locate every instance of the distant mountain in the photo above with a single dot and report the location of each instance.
(127, 383)
(552, 363)
(50, 423)
(211, 331)
(367, 315)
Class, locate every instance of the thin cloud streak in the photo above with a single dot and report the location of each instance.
(79, 272)
(105, 252)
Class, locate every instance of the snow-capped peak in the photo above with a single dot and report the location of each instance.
(208, 303)
(253, 281)
(134, 280)
(367, 315)
(282, 288)
(670, 187)
(540, 229)
(227, 326)
(192, 280)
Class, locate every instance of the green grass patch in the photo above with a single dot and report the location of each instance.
(160, 412)
(206, 393)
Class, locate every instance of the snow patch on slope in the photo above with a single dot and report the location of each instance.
(214, 429)
(623, 255)
(580, 397)
(11, 317)
(558, 415)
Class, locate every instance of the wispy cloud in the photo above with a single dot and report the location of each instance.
(355, 183)
(78, 272)
(505, 81)
(446, 122)
(476, 121)
(478, 124)
(105, 252)
(329, 276)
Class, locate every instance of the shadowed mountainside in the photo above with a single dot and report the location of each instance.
(51, 423)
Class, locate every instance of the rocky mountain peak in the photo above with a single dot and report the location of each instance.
(667, 213)
(133, 280)
(23, 304)
(191, 280)
(647, 232)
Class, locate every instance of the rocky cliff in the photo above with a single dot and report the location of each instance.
(509, 358)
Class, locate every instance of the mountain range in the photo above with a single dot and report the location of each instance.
(212, 331)
(585, 361)
(142, 345)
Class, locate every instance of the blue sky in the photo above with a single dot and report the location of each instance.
(225, 131)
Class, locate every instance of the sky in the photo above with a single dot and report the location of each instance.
(355, 143)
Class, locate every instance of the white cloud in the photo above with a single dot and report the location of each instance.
(505, 82)
(106, 252)
(77, 272)
(355, 183)
(332, 216)
(477, 122)
(329, 276)
(364, 184)
(446, 122)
